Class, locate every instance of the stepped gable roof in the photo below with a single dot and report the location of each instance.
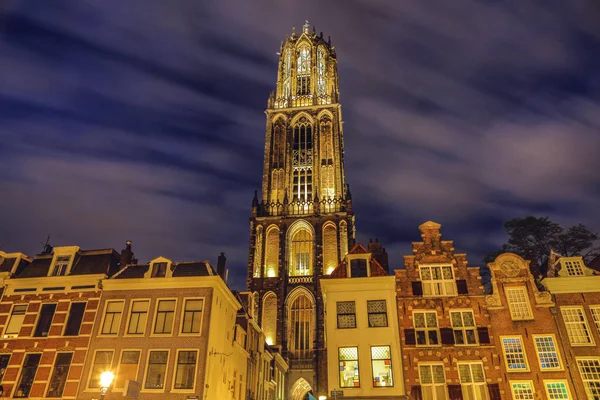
(85, 262)
(341, 271)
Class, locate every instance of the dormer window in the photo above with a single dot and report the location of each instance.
(159, 270)
(437, 280)
(61, 265)
(574, 267)
(358, 268)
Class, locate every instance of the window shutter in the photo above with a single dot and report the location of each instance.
(484, 335)
(447, 335)
(494, 390)
(415, 393)
(409, 337)
(417, 288)
(455, 392)
(461, 286)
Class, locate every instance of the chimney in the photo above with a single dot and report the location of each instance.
(127, 256)
(221, 270)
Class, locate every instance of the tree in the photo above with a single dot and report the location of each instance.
(532, 238)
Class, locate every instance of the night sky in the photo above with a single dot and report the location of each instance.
(144, 120)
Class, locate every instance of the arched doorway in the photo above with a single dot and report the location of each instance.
(300, 389)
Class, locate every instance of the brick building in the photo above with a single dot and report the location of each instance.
(447, 345)
(46, 317)
(575, 289)
(531, 349)
(169, 328)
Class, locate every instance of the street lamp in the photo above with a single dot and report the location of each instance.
(106, 379)
(322, 397)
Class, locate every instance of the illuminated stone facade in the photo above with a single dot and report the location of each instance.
(303, 225)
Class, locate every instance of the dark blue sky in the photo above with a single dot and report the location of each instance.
(143, 120)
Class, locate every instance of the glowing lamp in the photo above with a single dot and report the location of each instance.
(322, 397)
(269, 341)
(106, 379)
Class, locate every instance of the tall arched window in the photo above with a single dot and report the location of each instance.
(327, 169)
(302, 160)
(343, 239)
(321, 76)
(258, 247)
(301, 253)
(278, 146)
(303, 71)
(301, 326)
(277, 185)
(272, 252)
(287, 59)
(254, 306)
(330, 253)
(269, 318)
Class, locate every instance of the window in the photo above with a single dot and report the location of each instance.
(377, 311)
(577, 326)
(112, 317)
(547, 352)
(358, 268)
(60, 265)
(522, 390)
(269, 317)
(426, 328)
(128, 368)
(157, 369)
(472, 381)
(574, 267)
(59, 375)
(330, 250)
(165, 312)
(557, 390)
(75, 318)
(321, 80)
(30, 366)
(518, 303)
(514, 354)
(596, 315)
(589, 369)
(258, 252)
(437, 280)
(301, 253)
(348, 358)
(16, 320)
(192, 316)
(4, 359)
(302, 323)
(346, 314)
(102, 362)
(303, 72)
(185, 371)
(433, 381)
(138, 317)
(463, 325)
(45, 320)
(272, 251)
(381, 361)
(159, 270)
(302, 161)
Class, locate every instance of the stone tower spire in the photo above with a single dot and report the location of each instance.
(303, 224)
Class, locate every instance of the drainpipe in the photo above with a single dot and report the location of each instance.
(562, 344)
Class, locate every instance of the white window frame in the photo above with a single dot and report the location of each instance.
(595, 311)
(572, 325)
(537, 351)
(130, 314)
(521, 382)
(463, 328)
(182, 319)
(89, 381)
(523, 352)
(155, 317)
(137, 371)
(147, 366)
(438, 287)
(63, 265)
(9, 318)
(554, 381)
(517, 309)
(591, 362)
(573, 266)
(433, 385)
(427, 329)
(471, 385)
(101, 327)
(193, 389)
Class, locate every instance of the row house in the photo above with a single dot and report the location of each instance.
(361, 330)
(47, 312)
(166, 330)
(575, 290)
(447, 342)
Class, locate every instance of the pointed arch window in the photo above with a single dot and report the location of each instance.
(303, 71)
(327, 170)
(258, 252)
(302, 162)
(269, 318)
(278, 146)
(301, 328)
(301, 253)
(272, 252)
(330, 254)
(343, 239)
(321, 76)
(287, 59)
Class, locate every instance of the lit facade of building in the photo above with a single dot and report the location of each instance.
(575, 289)
(303, 225)
(364, 359)
(447, 347)
(46, 317)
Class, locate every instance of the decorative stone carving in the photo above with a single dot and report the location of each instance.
(510, 268)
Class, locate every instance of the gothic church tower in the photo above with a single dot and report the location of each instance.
(303, 225)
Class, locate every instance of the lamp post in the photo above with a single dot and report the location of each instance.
(106, 379)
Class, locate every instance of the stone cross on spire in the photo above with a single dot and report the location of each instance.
(305, 27)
